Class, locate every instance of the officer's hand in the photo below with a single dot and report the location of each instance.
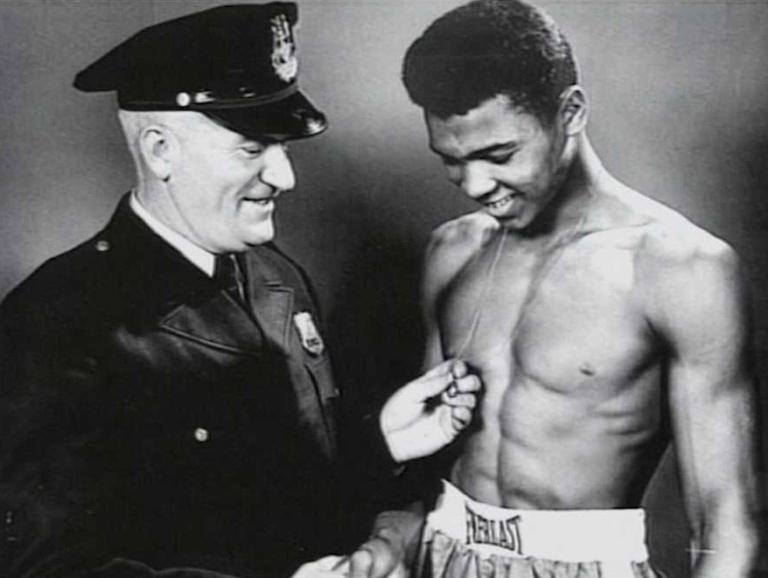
(428, 413)
(328, 567)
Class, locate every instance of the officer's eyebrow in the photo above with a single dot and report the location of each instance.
(245, 140)
(261, 141)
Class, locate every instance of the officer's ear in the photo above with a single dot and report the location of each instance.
(573, 110)
(157, 144)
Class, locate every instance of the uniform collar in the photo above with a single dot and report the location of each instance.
(201, 258)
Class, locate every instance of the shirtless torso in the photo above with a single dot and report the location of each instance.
(602, 324)
(568, 337)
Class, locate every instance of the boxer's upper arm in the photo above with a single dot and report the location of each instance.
(701, 310)
(432, 282)
(450, 246)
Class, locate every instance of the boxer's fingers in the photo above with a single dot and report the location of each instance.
(328, 567)
(329, 563)
(341, 565)
(361, 563)
(374, 559)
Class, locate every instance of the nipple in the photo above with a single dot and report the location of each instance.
(587, 369)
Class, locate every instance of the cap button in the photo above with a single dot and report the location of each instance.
(183, 99)
(102, 245)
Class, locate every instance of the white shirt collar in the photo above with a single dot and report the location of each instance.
(201, 258)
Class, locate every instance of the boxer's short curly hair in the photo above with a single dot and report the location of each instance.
(486, 48)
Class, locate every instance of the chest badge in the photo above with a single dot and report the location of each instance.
(310, 336)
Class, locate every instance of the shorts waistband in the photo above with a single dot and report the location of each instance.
(568, 535)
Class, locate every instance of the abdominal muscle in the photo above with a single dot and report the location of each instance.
(538, 446)
(570, 416)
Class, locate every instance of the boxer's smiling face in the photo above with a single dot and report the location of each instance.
(223, 186)
(501, 157)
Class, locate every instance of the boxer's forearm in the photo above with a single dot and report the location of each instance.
(726, 552)
(723, 565)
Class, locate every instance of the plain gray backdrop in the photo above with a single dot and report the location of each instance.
(678, 110)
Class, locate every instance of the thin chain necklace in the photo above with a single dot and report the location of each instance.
(558, 246)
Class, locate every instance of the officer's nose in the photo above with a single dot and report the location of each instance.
(476, 180)
(278, 169)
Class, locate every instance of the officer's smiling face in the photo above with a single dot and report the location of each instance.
(223, 186)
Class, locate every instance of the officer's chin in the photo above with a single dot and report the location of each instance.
(263, 235)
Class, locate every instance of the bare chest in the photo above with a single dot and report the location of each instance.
(564, 319)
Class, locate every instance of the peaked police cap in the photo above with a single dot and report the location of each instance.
(236, 64)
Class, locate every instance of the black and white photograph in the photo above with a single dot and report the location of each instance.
(383, 289)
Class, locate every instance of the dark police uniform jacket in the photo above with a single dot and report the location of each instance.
(148, 421)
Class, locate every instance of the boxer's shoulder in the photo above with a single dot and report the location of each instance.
(455, 242)
(464, 235)
(660, 236)
(671, 242)
(676, 261)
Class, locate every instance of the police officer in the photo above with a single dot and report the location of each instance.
(167, 401)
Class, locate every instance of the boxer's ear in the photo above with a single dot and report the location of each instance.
(573, 110)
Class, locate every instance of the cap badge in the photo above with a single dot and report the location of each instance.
(283, 49)
(310, 336)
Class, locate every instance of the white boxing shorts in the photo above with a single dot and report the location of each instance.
(464, 538)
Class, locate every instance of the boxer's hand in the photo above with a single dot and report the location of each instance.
(377, 558)
(328, 567)
(392, 548)
(427, 414)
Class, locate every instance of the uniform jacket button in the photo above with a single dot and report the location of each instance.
(9, 523)
(201, 434)
(102, 245)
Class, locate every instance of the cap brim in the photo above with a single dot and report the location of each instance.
(293, 117)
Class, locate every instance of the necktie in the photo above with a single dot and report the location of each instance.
(229, 276)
